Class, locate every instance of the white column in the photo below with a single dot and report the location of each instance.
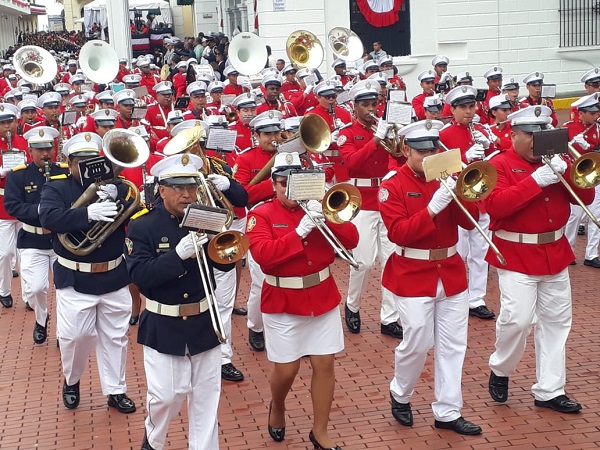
(119, 31)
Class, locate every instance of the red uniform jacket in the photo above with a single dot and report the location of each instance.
(243, 141)
(279, 251)
(290, 86)
(528, 101)
(230, 89)
(417, 104)
(519, 205)
(156, 116)
(504, 141)
(135, 174)
(403, 200)
(286, 108)
(363, 159)
(179, 83)
(66, 77)
(149, 81)
(247, 165)
(592, 135)
(456, 135)
(121, 73)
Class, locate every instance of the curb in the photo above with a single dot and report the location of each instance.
(564, 103)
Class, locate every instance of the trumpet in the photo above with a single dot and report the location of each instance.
(392, 144)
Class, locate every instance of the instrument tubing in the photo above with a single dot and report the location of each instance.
(435, 254)
(182, 310)
(305, 282)
(365, 182)
(90, 267)
(526, 238)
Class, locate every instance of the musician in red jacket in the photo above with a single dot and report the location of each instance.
(529, 209)
(197, 108)
(300, 299)
(426, 78)
(494, 81)
(591, 84)
(233, 87)
(500, 107)
(367, 163)
(267, 131)
(180, 78)
(245, 106)
(510, 87)
(533, 82)
(427, 279)
(273, 99)
(584, 134)
(339, 67)
(473, 141)
(156, 115)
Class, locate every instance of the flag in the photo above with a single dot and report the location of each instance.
(380, 13)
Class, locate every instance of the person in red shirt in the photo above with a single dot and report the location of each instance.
(591, 84)
(197, 108)
(382, 79)
(148, 79)
(510, 87)
(500, 108)
(584, 134)
(245, 106)
(123, 70)
(433, 107)
(367, 163)
(440, 67)
(267, 131)
(156, 115)
(273, 100)
(339, 66)
(529, 208)
(534, 82)
(395, 81)
(72, 69)
(104, 121)
(301, 318)
(180, 78)
(427, 279)
(304, 98)
(29, 116)
(290, 85)
(473, 146)
(426, 78)
(494, 81)
(125, 101)
(233, 88)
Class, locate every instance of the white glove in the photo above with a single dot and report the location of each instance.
(185, 249)
(102, 211)
(544, 176)
(445, 77)
(475, 152)
(109, 191)
(308, 89)
(81, 122)
(3, 172)
(480, 138)
(580, 140)
(221, 182)
(149, 179)
(314, 206)
(244, 82)
(338, 123)
(382, 129)
(442, 197)
(306, 224)
(559, 164)
(334, 136)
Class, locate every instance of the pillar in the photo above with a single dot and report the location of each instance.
(119, 31)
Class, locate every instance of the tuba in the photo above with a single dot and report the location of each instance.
(99, 62)
(248, 53)
(304, 49)
(35, 64)
(124, 149)
(345, 44)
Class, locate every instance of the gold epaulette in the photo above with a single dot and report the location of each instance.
(217, 160)
(19, 167)
(62, 176)
(140, 213)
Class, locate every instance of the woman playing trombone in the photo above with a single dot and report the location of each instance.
(300, 299)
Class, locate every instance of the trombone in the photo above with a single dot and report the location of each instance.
(340, 204)
(390, 143)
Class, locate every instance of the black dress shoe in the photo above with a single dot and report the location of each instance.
(240, 311)
(562, 404)
(277, 434)
(40, 332)
(28, 307)
(70, 395)
(230, 373)
(402, 412)
(498, 387)
(392, 329)
(352, 320)
(145, 444)
(460, 426)
(318, 446)
(482, 312)
(6, 301)
(133, 320)
(15, 274)
(257, 340)
(573, 263)
(595, 263)
(123, 403)
(581, 230)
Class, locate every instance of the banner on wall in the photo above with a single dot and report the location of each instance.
(380, 13)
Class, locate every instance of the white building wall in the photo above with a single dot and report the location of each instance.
(206, 17)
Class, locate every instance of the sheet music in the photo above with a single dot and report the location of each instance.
(200, 217)
(221, 139)
(399, 112)
(227, 99)
(292, 145)
(12, 159)
(140, 91)
(306, 185)
(442, 164)
(548, 91)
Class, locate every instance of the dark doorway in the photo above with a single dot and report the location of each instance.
(395, 39)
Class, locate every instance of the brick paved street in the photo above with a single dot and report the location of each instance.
(32, 415)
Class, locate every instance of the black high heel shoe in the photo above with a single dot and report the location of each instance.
(277, 434)
(318, 446)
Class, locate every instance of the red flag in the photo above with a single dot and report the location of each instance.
(256, 14)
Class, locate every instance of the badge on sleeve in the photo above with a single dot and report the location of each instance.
(129, 245)
(251, 224)
(341, 140)
(383, 195)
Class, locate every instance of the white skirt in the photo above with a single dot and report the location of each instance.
(289, 337)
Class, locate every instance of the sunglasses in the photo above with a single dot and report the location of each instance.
(594, 84)
(282, 183)
(330, 96)
(197, 95)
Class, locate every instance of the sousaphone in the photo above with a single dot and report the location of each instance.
(99, 61)
(248, 53)
(345, 44)
(304, 49)
(35, 64)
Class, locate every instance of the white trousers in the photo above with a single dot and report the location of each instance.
(225, 292)
(440, 322)
(472, 247)
(545, 300)
(372, 243)
(84, 321)
(35, 264)
(8, 253)
(593, 233)
(170, 380)
(254, 319)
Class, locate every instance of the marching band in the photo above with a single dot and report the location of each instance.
(142, 188)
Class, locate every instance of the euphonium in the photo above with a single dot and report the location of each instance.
(124, 149)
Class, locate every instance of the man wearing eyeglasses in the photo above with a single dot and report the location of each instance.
(534, 82)
(157, 114)
(426, 78)
(197, 108)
